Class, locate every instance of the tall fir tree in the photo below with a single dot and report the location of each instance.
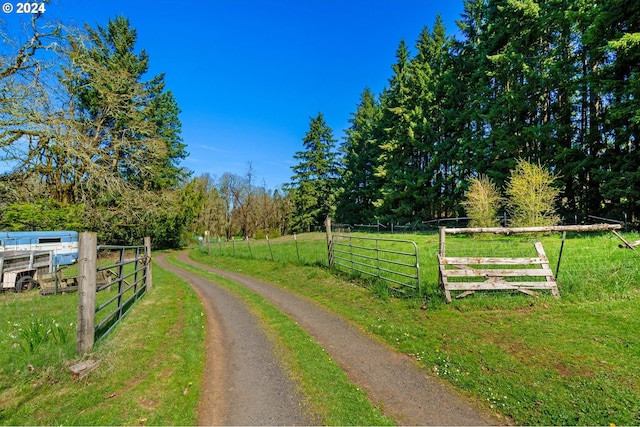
(314, 184)
(401, 161)
(470, 86)
(433, 91)
(360, 154)
(554, 82)
(616, 30)
(132, 124)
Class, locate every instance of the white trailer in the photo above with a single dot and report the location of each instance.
(19, 270)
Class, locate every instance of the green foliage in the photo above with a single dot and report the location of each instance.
(42, 215)
(532, 196)
(482, 202)
(164, 216)
(97, 147)
(549, 81)
(314, 186)
(39, 332)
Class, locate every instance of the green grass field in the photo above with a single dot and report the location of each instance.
(535, 361)
(151, 363)
(592, 266)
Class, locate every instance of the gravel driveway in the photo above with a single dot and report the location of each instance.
(243, 384)
(392, 381)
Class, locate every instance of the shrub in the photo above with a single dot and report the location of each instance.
(531, 196)
(482, 202)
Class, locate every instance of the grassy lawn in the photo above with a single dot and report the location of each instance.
(537, 361)
(151, 363)
(150, 371)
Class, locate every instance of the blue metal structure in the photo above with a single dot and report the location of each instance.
(63, 244)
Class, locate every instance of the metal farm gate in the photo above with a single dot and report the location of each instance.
(106, 293)
(391, 260)
(126, 277)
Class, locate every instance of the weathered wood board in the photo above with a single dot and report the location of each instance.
(472, 274)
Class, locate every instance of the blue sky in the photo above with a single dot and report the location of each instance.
(249, 74)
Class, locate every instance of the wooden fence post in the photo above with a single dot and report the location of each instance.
(327, 225)
(87, 267)
(441, 254)
(149, 281)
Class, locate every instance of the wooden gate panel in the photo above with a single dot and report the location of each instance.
(490, 273)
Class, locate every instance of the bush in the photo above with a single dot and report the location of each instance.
(482, 202)
(531, 196)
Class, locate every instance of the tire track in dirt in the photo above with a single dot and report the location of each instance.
(392, 381)
(244, 382)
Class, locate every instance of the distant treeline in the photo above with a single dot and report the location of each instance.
(553, 82)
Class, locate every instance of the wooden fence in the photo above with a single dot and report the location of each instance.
(527, 275)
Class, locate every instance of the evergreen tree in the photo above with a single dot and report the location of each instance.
(562, 71)
(555, 82)
(589, 135)
(434, 92)
(165, 171)
(617, 29)
(314, 184)
(401, 163)
(467, 112)
(360, 159)
(130, 126)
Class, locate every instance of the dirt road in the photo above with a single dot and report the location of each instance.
(244, 384)
(392, 381)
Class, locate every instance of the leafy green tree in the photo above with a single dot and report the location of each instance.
(92, 135)
(42, 215)
(314, 184)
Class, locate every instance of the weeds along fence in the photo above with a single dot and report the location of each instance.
(110, 280)
(392, 260)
